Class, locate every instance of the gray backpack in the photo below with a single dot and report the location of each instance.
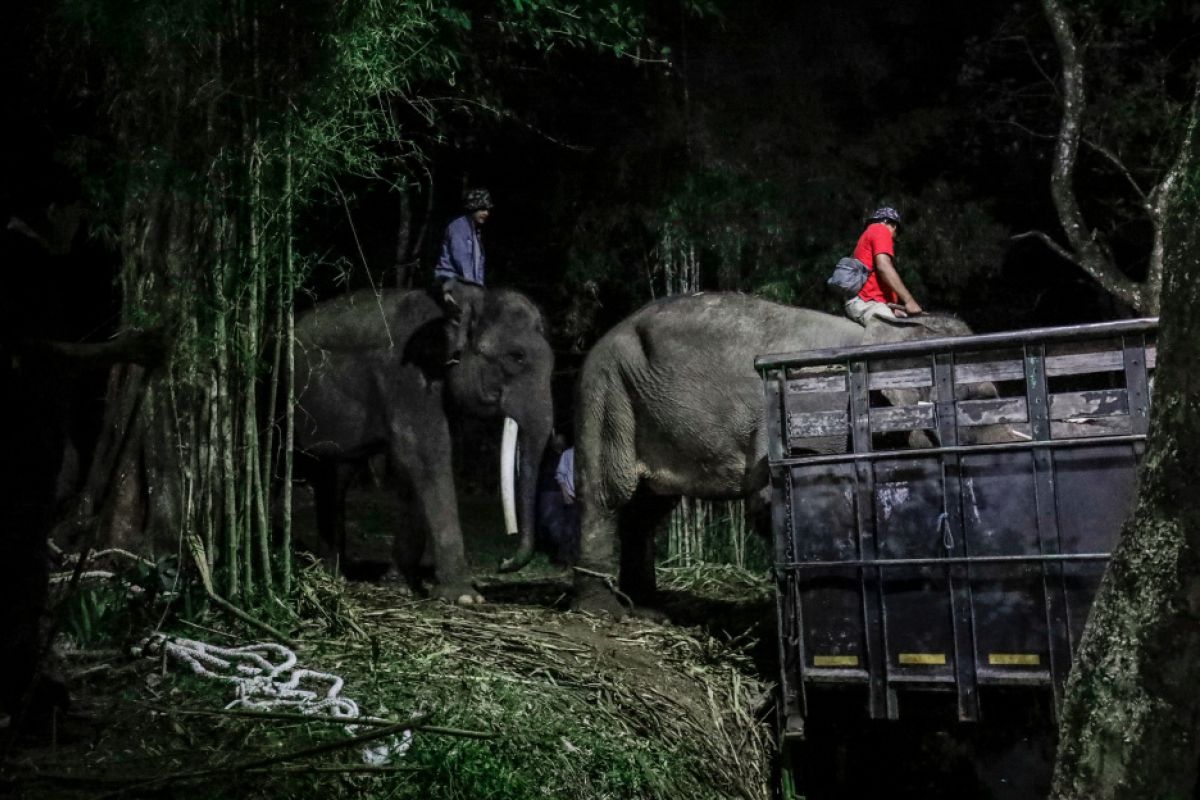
(849, 275)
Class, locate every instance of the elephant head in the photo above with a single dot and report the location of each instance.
(504, 371)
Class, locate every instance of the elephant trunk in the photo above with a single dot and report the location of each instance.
(530, 440)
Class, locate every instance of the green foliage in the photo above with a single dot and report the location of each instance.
(112, 609)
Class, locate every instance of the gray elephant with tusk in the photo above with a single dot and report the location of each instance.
(372, 377)
(669, 404)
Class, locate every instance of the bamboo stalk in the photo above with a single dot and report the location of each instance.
(225, 441)
(287, 273)
(256, 526)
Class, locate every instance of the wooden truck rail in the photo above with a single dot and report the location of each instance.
(943, 509)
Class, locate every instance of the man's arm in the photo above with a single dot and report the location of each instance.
(890, 278)
(456, 250)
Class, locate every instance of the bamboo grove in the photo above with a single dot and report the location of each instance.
(226, 121)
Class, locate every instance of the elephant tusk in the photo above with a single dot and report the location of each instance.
(508, 475)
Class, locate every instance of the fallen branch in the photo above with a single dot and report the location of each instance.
(413, 725)
(266, 761)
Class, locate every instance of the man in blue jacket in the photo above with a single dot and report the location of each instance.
(459, 271)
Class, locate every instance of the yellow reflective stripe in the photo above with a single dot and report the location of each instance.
(923, 659)
(1014, 659)
(835, 661)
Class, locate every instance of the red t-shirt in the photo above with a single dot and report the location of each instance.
(876, 239)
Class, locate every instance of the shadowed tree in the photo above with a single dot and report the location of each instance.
(1131, 717)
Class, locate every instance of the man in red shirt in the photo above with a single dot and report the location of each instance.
(884, 294)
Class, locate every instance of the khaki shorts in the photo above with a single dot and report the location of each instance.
(861, 310)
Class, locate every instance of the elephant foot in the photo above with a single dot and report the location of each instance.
(600, 600)
(399, 582)
(458, 594)
(650, 614)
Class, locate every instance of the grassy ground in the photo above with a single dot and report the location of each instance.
(517, 699)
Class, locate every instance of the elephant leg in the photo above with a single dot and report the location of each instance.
(758, 512)
(640, 522)
(425, 457)
(597, 568)
(411, 557)
(330, 481)
(606, 479)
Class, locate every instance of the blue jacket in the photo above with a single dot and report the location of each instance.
(462, 253)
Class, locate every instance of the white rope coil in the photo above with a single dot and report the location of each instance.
(266, 677)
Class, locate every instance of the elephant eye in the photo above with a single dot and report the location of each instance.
(517, 356)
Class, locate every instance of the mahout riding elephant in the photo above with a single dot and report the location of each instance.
(373, 376)
(669, 404)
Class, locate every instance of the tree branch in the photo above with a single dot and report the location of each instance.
(1053, 245)
(1111, 157)
(1162, 196)
(1089, 255)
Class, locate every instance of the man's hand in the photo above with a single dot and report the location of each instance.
(912, 308)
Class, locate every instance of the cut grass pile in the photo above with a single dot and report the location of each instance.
(504, 702)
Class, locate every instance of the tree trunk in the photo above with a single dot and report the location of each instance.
(1131, 717)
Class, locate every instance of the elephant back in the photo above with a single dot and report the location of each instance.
(366, 319)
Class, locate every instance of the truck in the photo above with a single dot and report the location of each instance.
(943, 510)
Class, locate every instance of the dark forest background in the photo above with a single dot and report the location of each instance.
(211, 168)
(757, 149)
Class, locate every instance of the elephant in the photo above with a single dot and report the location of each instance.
(373, 376)
(669, 404)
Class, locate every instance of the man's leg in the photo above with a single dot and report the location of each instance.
(453, 311)
(861, 310)
(468, 298)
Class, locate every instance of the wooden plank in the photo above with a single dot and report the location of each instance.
(817, 423)
(1007, 369)
(1083, 428)
(989, 371)
(1083, 363)
(1092, 413)
(1100, 403)
(998, 411)
(902, 418)
(908, 378)
(816, 383)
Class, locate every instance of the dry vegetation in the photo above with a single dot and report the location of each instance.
(504, 701)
